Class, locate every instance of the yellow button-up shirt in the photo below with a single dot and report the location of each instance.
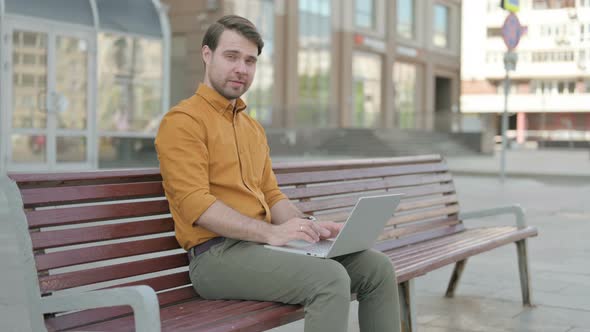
(210, 150)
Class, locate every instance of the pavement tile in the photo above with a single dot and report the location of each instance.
(553, 315)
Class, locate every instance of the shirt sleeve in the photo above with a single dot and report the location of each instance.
(184, 165)
(270, 187)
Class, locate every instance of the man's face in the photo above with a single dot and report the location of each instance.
(231, 67)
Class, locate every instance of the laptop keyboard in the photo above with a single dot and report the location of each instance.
(318, 248)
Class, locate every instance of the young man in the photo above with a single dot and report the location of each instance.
(226, 203)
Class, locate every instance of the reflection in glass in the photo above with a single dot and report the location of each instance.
(71, 149)
(30, 80)
(366, 89)
(29, 148)
(404, 82)
(259, 96)
(441, 26)
(130, 83)
(405, 18)
(314, 62)
(117, 152)
(365, 14)
(71, 83)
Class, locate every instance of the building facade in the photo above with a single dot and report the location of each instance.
(336, 63)
(549, 100)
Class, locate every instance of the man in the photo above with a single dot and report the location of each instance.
(226, 203)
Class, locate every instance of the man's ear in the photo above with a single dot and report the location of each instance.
(206, 53)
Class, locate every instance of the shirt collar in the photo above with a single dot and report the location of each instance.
(219, 102)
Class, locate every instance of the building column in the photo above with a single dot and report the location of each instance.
(520, 127)
(341, 68)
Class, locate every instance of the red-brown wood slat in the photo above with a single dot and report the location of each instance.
(42, 180)
(445, 257)
(36, 197)
(348, 201)
(379, 184)
(360, 173)
(84, 214)
(104, 252)
(462, 240)
(414, 229)
(416, 238)
(316, 165)
(413, 216)
(53, 239)
(66, 280)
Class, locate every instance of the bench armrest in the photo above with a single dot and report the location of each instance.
(516, 210)
(142, 299)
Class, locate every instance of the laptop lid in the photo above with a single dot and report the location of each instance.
(365, 223)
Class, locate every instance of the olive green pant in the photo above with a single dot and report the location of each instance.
(244, 270)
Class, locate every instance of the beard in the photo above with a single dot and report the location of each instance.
(224, 88)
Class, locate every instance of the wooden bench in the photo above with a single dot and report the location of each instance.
(100, 253)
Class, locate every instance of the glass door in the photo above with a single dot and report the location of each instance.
(49, 108)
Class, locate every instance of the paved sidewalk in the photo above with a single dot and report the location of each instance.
(565, 164)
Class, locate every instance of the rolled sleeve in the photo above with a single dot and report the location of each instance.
(184, 165)
(270, 187)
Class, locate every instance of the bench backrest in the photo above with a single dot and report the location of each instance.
(112, 228)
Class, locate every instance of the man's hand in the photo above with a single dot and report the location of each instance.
(333, 227)
(301, 229)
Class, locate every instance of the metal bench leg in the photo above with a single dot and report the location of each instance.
(523, 268)
(408, 306)
(459, 266)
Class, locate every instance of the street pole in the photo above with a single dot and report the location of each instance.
(510, 59)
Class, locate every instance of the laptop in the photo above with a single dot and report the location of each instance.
(366, 221)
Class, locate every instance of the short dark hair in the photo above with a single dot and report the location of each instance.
(235, 23)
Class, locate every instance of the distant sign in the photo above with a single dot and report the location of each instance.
(512, 6)
(512, 31)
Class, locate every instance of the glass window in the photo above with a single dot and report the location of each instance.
(441, 26)
(126, 152)
(366, 89)
(130, 84)
(405, 19)
(404, 83)
(259, 97)
(364, 15)
(314, 62)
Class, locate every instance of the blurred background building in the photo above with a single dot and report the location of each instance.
(550, 91)
(85, 83)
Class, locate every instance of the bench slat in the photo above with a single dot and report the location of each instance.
(347, 188)
(405, 231)
(104, 252)
(407, 218)
(355, 174)
(83, 214)
(407, 240)
(462, 240)
(313, 165)
(53, 239)
(66, 280)
(349, 201)
(445, 258)
(41, 180)
(37, 197)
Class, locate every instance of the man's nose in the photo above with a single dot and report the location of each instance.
(241, 67)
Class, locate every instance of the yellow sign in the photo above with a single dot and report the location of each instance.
(512, 6)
